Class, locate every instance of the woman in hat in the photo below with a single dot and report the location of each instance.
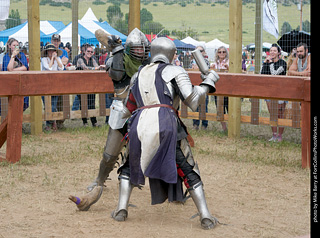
(51, 61)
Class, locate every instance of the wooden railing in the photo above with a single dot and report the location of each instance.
(17, 85)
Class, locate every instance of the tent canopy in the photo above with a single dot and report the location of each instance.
(86, 29)
(215, 44)
(21, 32)
(183, 46)
(89, 16)
(190, 40)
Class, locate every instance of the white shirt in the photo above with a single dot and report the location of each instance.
(55, 67)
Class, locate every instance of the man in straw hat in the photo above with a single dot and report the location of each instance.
(56, 41)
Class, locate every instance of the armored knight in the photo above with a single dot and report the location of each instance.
(124, 62)
(158, 145)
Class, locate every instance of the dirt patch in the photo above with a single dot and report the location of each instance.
(255, 199)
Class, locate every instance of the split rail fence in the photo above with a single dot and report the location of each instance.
(14, 86)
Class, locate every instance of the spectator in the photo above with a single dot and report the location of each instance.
(196, 123)
(176, 61)
(301, 66)
(273, 65)
(51, 61)
(291, 58)
(87, 62)
(14, 60)
(68, 48)
(244, 66)
(56, 41)
(221, 63)
(2, 53)
(76, 102)
(103, 56)
(187, 60)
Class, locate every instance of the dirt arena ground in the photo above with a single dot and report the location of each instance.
(252, 198)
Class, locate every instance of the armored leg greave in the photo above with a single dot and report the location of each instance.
(125, 189)
(111, 152)
(198, 197)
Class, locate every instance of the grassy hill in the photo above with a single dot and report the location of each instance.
(209, 21)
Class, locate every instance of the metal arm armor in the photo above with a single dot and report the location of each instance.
(191, 95)
(116, 70)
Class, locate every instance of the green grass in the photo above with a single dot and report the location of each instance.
(76, 144)
(209, 21)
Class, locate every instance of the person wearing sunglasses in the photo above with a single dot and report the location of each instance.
(221, 64)
(88, 62)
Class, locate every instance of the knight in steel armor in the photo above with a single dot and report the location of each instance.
(124, 62)
(158, 145)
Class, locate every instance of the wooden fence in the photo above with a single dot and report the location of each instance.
(17, 85)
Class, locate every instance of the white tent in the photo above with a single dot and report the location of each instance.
(190, 40)
(89, 16)
(86, 29)
(212, 46)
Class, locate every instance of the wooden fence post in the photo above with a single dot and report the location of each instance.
(34, 62)
(14, 128)
(235, 66)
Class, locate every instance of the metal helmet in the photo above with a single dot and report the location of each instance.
(135, 43)
(162, 49)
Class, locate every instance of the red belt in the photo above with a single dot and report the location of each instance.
(160, 105)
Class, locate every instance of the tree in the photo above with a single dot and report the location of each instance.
(114, 14)
(145, 16)
(151, 26)
(286, 27)
(14, 19)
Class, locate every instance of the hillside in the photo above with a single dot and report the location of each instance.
(209, 20)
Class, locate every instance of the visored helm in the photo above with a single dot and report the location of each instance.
(137, 45)
(162, 50)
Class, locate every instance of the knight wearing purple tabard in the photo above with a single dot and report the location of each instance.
(158, 145)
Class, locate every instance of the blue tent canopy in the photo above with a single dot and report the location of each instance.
(105, 25)
(21, 32)
(85, 34)
(183, 46)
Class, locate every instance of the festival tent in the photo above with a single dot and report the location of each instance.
(91, 23)
(84, 35)
(21, 32)
(183, 46)
(89, 16)
(265, 46)
(86, 32)
(212, 46)
(190, 40)
(86, 29)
